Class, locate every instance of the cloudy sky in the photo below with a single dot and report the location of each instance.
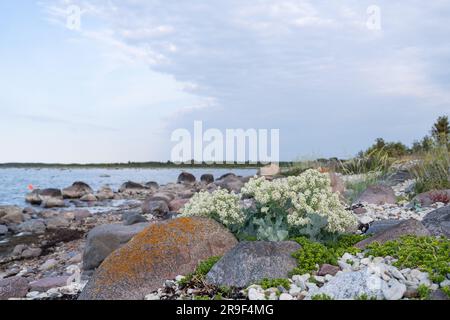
(115, 88)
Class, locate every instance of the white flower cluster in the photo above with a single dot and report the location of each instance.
(307, 193)
(220, 205)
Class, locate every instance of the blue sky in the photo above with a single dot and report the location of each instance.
(138, 69)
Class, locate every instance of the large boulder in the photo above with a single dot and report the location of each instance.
(207, 178)
(105, 193)
(438, 222)
(250, 262)
(15, 287)
(104, 239)
(160, 252)
(11, 215)
(231, 183)
(407, 227)
(428, 198)
(186, 178)
(77, 190)
(378, 194)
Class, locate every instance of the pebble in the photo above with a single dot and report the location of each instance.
(285, 296)
(255, 294)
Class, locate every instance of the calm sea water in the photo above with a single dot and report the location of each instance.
(14, 182)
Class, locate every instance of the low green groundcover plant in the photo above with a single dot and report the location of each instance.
(202, 270)
(275, 283)
(429, 254)
(313, 254)
(446, 290)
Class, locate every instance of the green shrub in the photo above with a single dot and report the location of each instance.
(432, 173)
(275, 283)
(424, 292)
(313, 254)
(429, 254)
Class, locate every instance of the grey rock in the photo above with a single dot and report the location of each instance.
(407, 227)
(77, 190)
(31, 253)
(186, 178)
(16, 287)
(130, 186)
(378, 194)
(438, 222)
(382, 225)
(152, 185)
(53, 203)
(57, 223)
(398, 177)
(157, 208)
(230, 183)
(36, 226)
(439, 295)
(45, 284)
(3, 230)
(250, 262)
(103, 240)
(11, 215)
(207, 178)
(131, 218)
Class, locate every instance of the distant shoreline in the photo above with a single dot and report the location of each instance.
(131, 165)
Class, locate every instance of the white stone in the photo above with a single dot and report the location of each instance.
(152, 297)
(180, 278)
(394, 290)
(255, 294)
(294, 290)
(285, 296)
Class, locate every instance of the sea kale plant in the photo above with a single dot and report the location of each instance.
(219, 205)
(283, 208)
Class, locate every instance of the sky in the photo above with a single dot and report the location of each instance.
(114, 89)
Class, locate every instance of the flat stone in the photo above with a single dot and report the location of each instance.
(45, 284)
(407, 227)
(15, 287)
(382, 225)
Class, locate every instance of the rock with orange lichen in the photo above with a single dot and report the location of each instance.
(160, 252)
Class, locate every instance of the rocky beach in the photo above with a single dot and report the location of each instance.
(146, 246)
